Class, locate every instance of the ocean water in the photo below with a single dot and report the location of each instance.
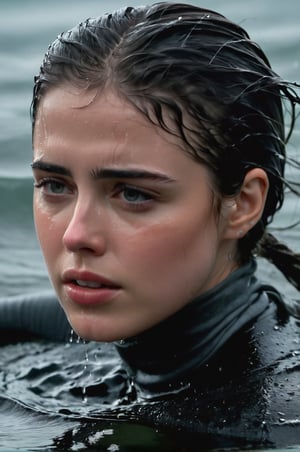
(26, 29)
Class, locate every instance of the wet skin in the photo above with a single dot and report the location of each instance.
(120, 206)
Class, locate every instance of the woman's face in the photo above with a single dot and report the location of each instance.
(126, 219)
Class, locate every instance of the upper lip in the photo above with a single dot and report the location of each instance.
(71, 275)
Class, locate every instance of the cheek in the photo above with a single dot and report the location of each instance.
(168, 247)
(170, 263)
(48, 231)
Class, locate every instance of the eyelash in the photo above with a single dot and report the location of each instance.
(119, 190)
(42, 183)
(134, 205)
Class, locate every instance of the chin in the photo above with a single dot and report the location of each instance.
(89, 334)
(91, 330)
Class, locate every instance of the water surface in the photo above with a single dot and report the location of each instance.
(40, 382)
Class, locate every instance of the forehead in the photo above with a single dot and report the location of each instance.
(85, 132)
(85, 116)
(104, 126)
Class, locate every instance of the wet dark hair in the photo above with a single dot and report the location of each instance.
(199, 76)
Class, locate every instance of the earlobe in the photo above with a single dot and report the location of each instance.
(246, 208)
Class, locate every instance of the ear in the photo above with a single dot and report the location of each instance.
(246, 208)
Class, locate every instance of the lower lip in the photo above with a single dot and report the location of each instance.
(86, 296)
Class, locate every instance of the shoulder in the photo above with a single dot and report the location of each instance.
(276, 336)
(260, 388)
(249, 391)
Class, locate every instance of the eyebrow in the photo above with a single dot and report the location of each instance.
(104, 173)
(50, 168)
(115, 173)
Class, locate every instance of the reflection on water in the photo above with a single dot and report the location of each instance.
(77, 397)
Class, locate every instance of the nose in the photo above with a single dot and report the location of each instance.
(85, 230)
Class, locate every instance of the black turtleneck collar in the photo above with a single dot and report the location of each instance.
(181, 344)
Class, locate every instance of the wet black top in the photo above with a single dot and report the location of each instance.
(226, 367)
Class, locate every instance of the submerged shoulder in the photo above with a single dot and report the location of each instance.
(247, 393)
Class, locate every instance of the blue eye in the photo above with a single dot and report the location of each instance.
(134, 195)
(52, 186)
(55, 187)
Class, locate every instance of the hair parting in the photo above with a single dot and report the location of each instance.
(197, 75)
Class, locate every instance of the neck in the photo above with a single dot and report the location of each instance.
(172, 350)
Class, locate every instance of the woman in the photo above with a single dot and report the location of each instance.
(159, 157)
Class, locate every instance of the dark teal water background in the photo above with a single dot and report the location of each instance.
(26, 29)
